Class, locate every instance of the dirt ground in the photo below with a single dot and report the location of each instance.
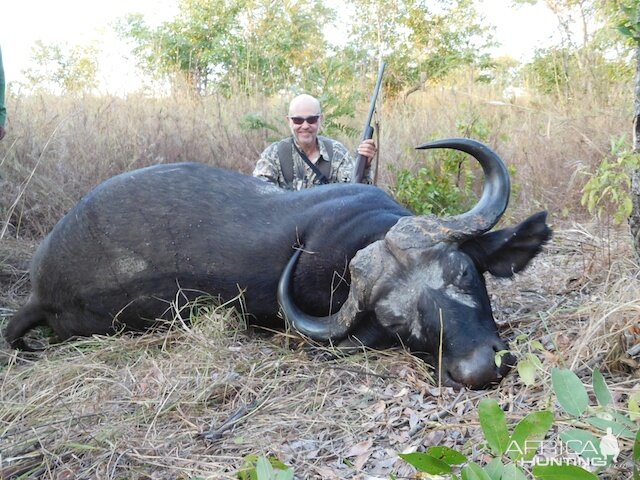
(196, 400)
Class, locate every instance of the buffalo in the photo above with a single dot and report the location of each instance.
(343, 263)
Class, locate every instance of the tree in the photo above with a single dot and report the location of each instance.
(227, 45)
(590, 54)
(630, 27)
(283, 43)
(421, 40)
(264, 46)
(63, 69)
(625, 16)
(198, 44)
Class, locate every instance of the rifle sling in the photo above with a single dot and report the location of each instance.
(321, 177)
(286, 159)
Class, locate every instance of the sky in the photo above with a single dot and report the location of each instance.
(74, 22)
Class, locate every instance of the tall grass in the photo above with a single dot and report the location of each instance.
(550, 146)
(70, 144)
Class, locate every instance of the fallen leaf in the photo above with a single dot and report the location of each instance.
(359, 448)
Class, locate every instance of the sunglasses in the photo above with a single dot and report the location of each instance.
(313, 119)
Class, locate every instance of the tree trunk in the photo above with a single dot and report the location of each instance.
(634, 220)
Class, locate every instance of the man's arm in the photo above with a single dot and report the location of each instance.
(268, 167)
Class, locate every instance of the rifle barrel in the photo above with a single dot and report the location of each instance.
(372, 106)
(367, 132)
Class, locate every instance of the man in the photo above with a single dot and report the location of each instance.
(3, 109)
(306, 159)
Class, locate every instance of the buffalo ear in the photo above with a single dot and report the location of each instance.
(505, 252)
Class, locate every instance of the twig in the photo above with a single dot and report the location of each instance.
(34, 428)
(216, 433)
(445, 412)
(360, 371)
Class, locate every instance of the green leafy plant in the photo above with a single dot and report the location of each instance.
(500, 443)
(529, 364)
(262, 468)
(524, 441)
(445, 186)
(256, 121)
(609, 188)
(574, 400)
(433, 189)
(625, 18)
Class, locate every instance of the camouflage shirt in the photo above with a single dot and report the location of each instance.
(339, 167)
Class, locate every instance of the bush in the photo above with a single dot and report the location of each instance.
(441, 189)
(446, 186)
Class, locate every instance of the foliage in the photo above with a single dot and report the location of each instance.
(435, 461)
(623, 15)
(281, 42)
(568, 72)
(573, 398)
(445, 187)
(63, 69)
(433, 190)
(609, 188)
(421, 40)
(263, 468)
(229, 45)
(262, 46)
(493, 423)
(582, 22)
(529, 364)
(586, 59)
(196, 44)
(526, 438)
(256, 121)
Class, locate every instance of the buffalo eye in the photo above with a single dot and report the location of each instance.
(463, 272)
(465, 278)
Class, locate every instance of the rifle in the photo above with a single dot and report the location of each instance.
(358, 169)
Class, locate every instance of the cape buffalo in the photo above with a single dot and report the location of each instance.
(346, 262)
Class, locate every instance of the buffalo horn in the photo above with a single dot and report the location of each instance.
(495, 194)
(331, 327)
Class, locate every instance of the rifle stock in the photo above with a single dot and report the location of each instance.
(361, 162)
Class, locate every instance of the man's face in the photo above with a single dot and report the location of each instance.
(304, 120)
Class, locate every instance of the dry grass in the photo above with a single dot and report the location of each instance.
(62, 147)
(57, 149)
(193, 401)
(552, 146)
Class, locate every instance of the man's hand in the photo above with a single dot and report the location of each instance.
(368, 149)
(2, 132)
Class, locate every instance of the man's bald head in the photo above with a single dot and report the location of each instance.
(304, 103)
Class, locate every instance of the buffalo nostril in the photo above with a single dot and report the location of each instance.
(479, 369)
(507, 359)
